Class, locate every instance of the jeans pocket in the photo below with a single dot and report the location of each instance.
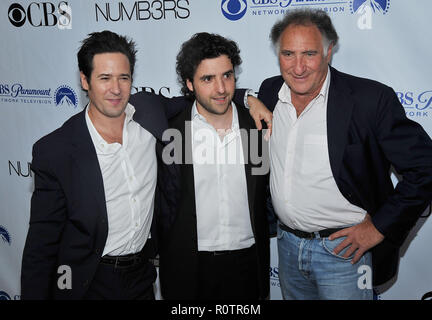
(330, 245)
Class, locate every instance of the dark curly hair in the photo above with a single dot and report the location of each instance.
(104, 42)
(202, 46)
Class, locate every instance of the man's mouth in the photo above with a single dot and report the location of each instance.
(220, 99)
(115, 101)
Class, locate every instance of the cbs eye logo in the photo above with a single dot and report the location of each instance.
(234, 9)
(17, 15)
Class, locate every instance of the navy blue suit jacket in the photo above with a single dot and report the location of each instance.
(367, 133)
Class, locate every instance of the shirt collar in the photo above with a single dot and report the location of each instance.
(197, 116)
(130, 111)
(100, 144)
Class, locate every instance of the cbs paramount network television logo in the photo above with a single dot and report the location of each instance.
(5, 296)
(377, 6)
(4, 235)
(236, 9)
(274, 277)
(64, 96)
(416, 104)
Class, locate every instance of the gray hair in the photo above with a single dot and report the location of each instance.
(306, 17)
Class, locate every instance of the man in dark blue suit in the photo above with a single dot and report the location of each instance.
(335, 138)
(91, 232)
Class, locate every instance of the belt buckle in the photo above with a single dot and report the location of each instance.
(316, 235)
(116, 262)
(311, 235)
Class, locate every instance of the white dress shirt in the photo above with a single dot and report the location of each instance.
(129, 177)
(222, 208)
(304, 193)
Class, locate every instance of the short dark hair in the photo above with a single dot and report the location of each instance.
(104, 42)
(202, 46)
(306, 17)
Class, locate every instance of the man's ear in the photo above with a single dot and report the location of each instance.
(84, 83)
(189, 85)
(329, 53)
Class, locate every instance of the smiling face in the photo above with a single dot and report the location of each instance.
(303, 62)
(109, 85)
(213, 85)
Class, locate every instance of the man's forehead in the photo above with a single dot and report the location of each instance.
(300, 34)
(219, 63)
(110, 63)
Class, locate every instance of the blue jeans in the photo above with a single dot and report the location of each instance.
(309, 270)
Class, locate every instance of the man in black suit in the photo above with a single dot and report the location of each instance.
(335, 137)
(214, 228)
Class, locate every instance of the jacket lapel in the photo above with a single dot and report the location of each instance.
(185, 169)
(245, 123)
(339, 111)
(85, 159)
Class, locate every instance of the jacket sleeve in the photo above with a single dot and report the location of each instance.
(47, 219)
(409, 149)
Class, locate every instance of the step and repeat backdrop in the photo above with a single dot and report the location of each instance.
(386, 40)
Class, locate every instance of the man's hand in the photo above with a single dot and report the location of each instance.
(258, 112)
(360, 237)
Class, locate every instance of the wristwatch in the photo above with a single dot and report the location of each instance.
(249, 92)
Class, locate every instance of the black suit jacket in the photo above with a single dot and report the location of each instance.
(367, 132)
(178, 224)
(68, 222)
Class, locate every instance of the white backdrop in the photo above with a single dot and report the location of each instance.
(39, 83)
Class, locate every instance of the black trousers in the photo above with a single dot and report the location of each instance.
(228, 276)
(123, 283)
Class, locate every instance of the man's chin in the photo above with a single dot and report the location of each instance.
(220, 110)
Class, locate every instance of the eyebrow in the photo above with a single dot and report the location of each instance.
(110, 75)
(206, 76)
(231, 71)
(305, 51)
